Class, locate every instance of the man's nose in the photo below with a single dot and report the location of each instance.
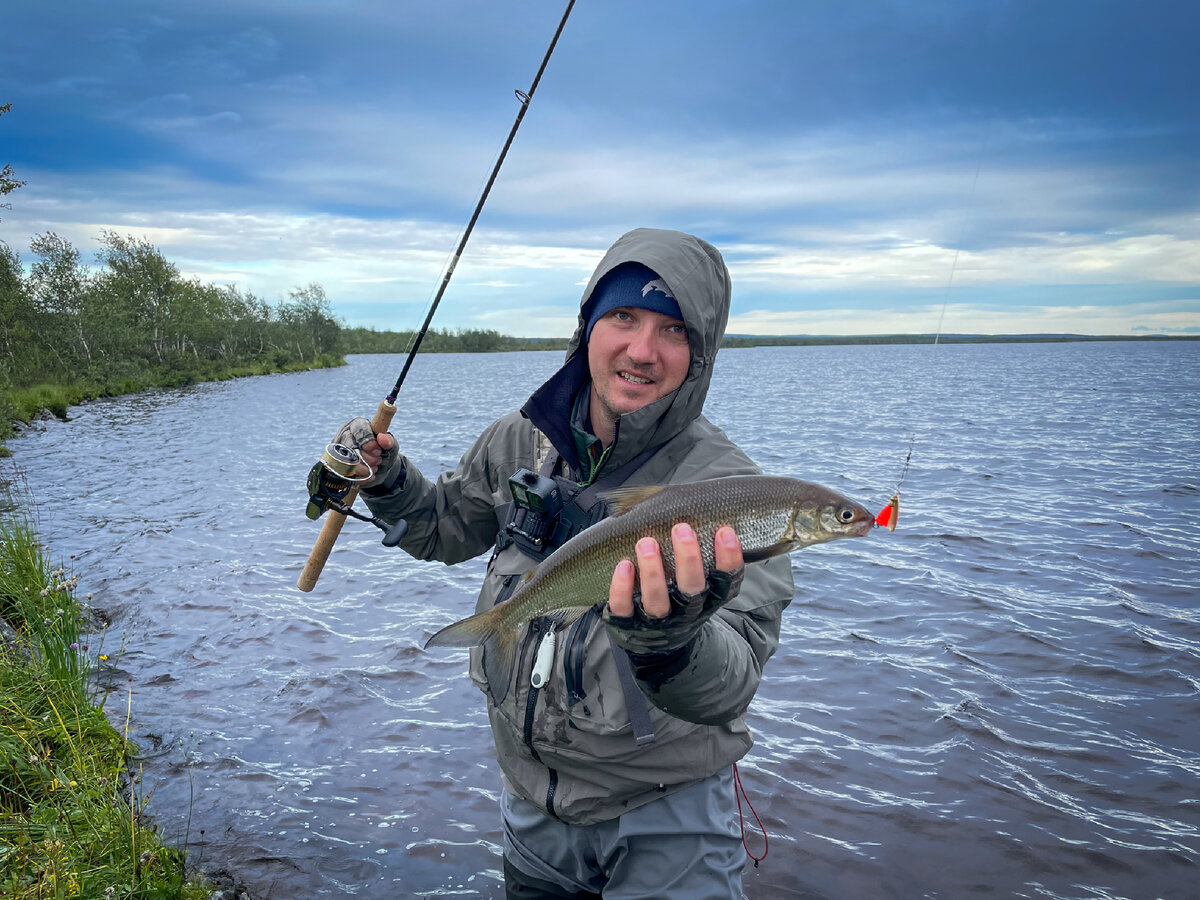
(643, 345)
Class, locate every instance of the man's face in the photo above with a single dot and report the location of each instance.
(635, 356)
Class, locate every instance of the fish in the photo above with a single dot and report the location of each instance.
(772, 515)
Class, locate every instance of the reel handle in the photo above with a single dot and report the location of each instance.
(335, 520)
(395, 534)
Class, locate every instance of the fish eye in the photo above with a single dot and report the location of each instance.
(845, 514)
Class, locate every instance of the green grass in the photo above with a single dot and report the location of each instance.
(71, 817)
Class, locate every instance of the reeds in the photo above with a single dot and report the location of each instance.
(71, 822)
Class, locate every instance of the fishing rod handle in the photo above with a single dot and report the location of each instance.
(335, 520)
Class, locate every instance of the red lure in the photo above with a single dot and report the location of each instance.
(890, 514)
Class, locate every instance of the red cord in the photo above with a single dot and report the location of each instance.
(739, 792)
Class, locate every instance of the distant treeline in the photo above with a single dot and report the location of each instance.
(366, 340)
(816, 340)
(70, 332)
(465, 340)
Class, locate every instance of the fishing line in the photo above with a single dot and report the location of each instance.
(890, 514)
(962, 234)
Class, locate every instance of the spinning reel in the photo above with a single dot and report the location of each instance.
(330, 481)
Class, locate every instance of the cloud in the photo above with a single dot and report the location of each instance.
(271, 145)
(779, 288)
(970, 319)
(230, 57)
(1048, 259)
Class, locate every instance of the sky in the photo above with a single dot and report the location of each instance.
(867, 167)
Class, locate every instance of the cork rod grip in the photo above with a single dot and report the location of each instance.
(335, 520)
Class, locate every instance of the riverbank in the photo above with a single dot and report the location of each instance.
(72, 818)
(19, 406)
(72, 809)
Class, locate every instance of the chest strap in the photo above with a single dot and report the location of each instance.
(635, 700)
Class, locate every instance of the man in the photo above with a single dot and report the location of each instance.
(617, 765)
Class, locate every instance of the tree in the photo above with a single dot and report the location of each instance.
(141, 286)
(17, 326)
(309, 317)
(8, 181)
(57, 286)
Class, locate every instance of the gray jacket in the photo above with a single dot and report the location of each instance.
(569, 747)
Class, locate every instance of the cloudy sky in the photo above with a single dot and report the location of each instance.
(1020, 165)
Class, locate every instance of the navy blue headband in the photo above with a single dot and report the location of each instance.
(630, 284)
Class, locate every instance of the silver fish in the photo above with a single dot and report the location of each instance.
(772, 515)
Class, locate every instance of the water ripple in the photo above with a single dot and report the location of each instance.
(1000, 698)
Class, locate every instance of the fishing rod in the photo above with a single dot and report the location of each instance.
(332, 484)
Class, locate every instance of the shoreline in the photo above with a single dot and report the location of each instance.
(22, 406)
(73, 819)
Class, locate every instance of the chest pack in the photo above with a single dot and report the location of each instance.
(549, 509)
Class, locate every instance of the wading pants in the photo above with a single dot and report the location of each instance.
(682, 846)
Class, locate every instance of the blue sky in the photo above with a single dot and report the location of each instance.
(1027, 166)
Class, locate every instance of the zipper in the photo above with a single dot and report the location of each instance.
(550, 793)
(530, 705)
(573, 657)
(540, 673)
(538, 627)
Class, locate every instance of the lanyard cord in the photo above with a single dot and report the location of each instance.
(739, 792)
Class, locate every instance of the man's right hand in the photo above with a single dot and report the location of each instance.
(378, 451)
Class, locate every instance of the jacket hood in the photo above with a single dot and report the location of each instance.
(697, 277)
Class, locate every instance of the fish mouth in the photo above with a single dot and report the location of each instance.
(862, 526)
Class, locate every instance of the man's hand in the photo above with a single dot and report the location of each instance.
(665, 618)
(378, 451)
(374, 450)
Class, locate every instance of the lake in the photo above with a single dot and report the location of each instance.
(1002, 698)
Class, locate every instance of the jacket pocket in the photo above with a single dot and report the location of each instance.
(476, 669)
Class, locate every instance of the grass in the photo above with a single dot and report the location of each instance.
(71, 817)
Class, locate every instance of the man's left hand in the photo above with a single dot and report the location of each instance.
(665, 618)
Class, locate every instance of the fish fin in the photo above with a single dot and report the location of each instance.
(499, 657)
(500, 651)
(569, 615)
(777, 549)
(621, 500)
(469, 632)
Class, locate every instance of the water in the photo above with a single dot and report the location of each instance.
(1001, 698)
